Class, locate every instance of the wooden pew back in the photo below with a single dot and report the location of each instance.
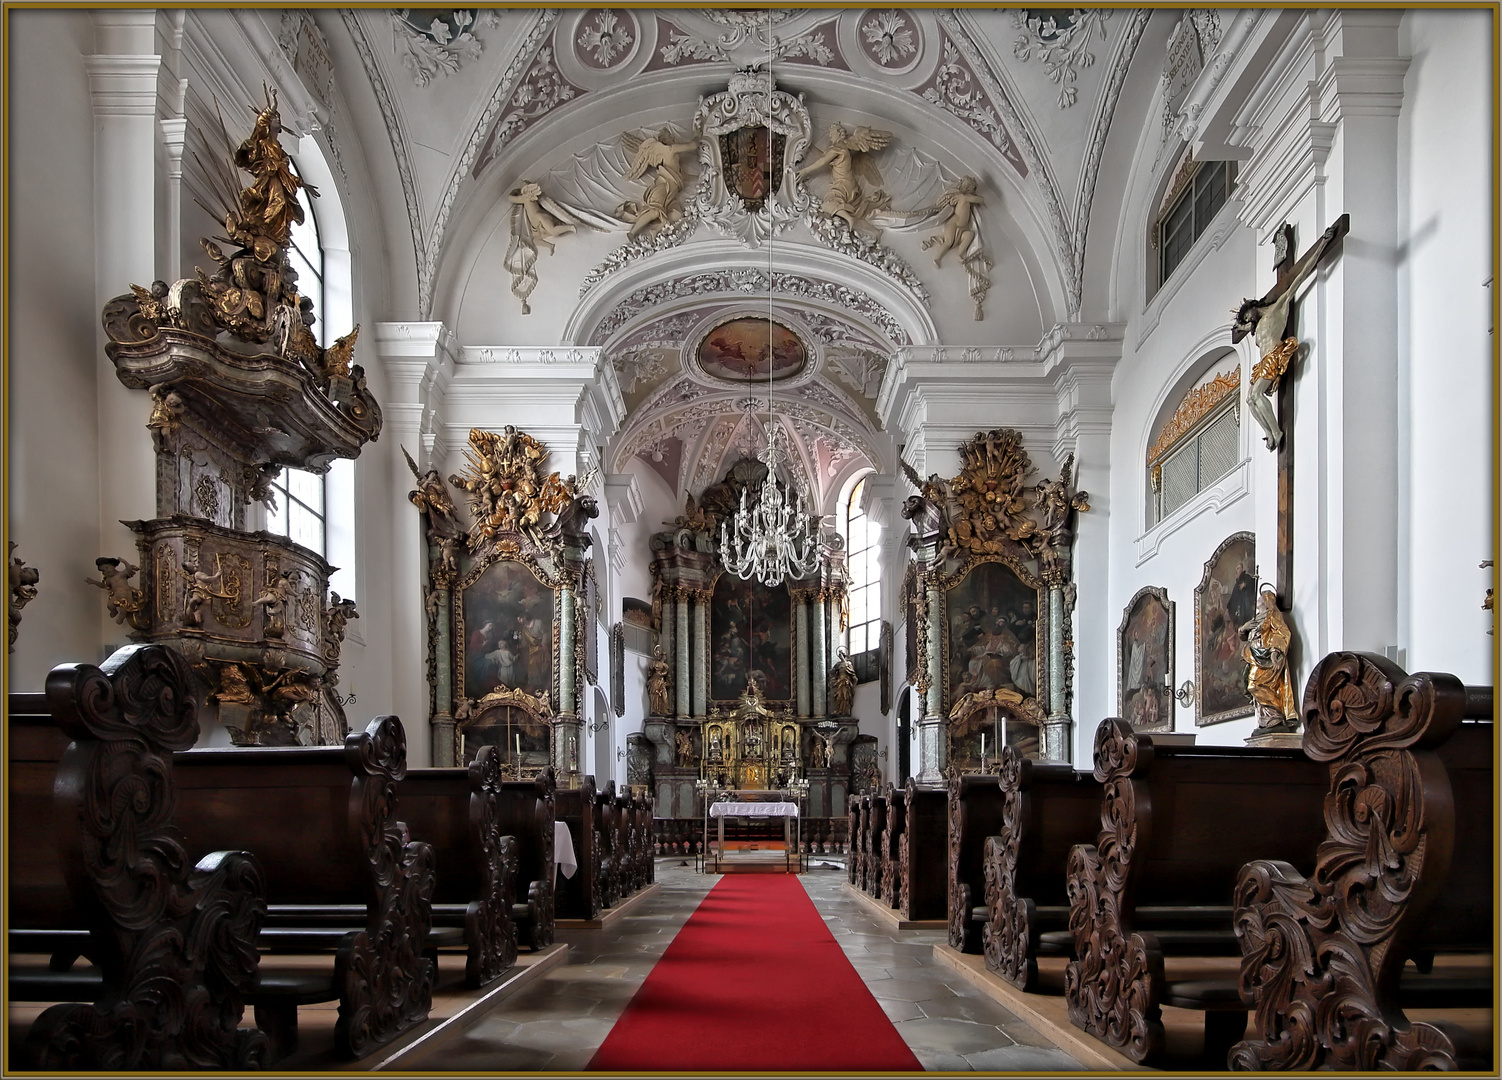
(322, 819)
(974, 814)
(891, 849)
(1176, 824)
(1046, 810)
(455, 810)
(923, 853)
(527, 813)
(579, 897)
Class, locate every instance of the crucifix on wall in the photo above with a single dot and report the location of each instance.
(1270, 321)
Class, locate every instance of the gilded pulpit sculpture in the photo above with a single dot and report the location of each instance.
(240, 390)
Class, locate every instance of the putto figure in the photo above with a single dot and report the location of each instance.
(660, 153)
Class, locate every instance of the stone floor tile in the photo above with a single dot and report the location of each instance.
(1022, 1059)
(952, 1036)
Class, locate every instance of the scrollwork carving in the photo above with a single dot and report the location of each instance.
(385, 981)
(1112, 988)
(488, 921)
(1321, 956)
(176, 943)
(1005, 939)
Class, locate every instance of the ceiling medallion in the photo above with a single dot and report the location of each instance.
(751, 347)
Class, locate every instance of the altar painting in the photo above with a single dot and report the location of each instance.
(507, 632)
(751, 635)
(992, 633)
(1224, 602)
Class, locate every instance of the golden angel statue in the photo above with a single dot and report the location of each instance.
(849, 163)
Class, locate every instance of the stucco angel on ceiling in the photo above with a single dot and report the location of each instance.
(849, 163)
(659, 153)
(538, 219)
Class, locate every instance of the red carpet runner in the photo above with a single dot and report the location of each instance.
(754, 982)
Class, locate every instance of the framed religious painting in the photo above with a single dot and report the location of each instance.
(504, 632)
(1224, 602)
(1144, 661)
(750, 637)
(589, 623)
(991, 633)
(910, 618)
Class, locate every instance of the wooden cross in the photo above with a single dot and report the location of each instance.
(1271, 321)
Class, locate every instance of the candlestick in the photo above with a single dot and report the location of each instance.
(518, 752)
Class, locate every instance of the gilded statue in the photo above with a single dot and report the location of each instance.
(269, 207)
(1267, 321)
(122, 600)
(659, 678)
(506, 485)
(683, 742)
(274, 599)
(202, 588)
(849, 163)
(432, 498)
(1057, 502)
(23, 590)
(1268, 680)
(658, 206)
(167, 406)
(335, 619)
(842, 680)
(337, 357)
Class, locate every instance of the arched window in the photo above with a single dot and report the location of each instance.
(1198, 442)
(312, 510)
(863, 555)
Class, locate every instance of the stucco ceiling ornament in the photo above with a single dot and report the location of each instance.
(1059, 39)
(890, 38)
(430, 43)
(605, 38)
(749, 37)
(536, 219)
(751, 137)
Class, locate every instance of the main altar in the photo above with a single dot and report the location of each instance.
(748, 688)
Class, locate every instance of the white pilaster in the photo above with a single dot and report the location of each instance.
(123, 89)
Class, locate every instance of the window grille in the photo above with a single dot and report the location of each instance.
(1206, 454)
(1191, 212)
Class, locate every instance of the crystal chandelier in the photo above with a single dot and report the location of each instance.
(770, 540)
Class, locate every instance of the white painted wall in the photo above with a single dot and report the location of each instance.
(1445, 345)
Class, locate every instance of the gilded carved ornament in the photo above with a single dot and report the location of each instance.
(1197, 404)
(507, 488)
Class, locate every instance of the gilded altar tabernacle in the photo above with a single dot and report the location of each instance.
(751, 747)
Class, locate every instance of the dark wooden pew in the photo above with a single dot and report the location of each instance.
(1046, 810)
(526, 812)
(322, 820)
(875, 840)
(1406, 869)
(93, 848)
(611, 856)
(578, 897)
(974, 815)
(1177, 823)
(456, 811)
(628, 864)
(922, 854)
(648, 872)
(891, 844)
(852, 856)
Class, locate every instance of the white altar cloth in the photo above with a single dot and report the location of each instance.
(563, 849)
(753, 809)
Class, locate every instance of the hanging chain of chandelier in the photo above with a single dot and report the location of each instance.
(771, 539)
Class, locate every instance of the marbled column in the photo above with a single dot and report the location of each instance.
(818, 644)
(805, 699)
(931, 743)
(681, 667)
(667, 638)
(567, 706)
(445, 742)
(443, 683)
(701, 654)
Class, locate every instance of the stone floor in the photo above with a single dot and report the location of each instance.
(560, 1022)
